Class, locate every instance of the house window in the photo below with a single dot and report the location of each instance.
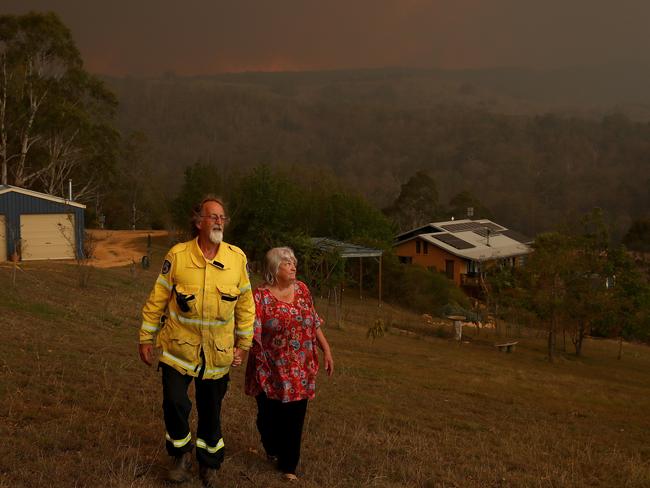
(417, 247)
(449, 268)
(405, 259)
(425, 248)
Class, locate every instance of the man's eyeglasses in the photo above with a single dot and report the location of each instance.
(216, 218)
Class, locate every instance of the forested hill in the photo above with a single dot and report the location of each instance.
(531, 148)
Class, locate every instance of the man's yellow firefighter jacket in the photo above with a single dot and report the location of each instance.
(208, 306)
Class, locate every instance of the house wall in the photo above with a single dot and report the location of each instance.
(434, 258)
(14, 204)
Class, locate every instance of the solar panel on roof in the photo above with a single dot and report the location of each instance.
(516, 236)
(461, 227)
(453, 241)
(492, 226)
(470, 226)
(483, 231)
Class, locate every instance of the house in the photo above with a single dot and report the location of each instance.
(462, 249)
(39, 226)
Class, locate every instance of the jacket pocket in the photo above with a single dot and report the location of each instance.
(227, 299)
(182, 351)
(221, 350)
(186, 298)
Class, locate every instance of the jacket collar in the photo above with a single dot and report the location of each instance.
(220, 261)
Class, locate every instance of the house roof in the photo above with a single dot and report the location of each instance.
(476, 240)
(43, 196)
(345, 249)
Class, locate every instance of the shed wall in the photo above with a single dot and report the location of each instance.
(14, 204)
(3, 239)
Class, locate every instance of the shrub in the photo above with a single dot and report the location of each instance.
(417, 288)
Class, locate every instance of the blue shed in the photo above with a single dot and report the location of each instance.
(39, 226)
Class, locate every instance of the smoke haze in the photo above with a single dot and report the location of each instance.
(149, 37)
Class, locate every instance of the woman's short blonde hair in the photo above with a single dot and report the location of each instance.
(272, 261)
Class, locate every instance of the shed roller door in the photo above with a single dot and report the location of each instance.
(47, 236)
(3, 239)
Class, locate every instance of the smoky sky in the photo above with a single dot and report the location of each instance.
(149, 37)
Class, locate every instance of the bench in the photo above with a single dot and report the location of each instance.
(507, 346)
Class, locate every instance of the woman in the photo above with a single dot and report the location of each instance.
(282, 363)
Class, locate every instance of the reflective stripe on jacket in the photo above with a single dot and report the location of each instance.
(208, 306)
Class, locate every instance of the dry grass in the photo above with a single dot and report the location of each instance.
(77, 408)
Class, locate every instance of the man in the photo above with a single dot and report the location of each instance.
(201, 314)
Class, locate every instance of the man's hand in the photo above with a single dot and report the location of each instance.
(237, 357)
(146, 353)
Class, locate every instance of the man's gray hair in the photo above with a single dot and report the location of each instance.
(198, 208)
(272, 261)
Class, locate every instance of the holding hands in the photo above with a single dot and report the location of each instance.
(237, 357)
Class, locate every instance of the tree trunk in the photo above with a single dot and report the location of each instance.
(620, 347)
(3, 128)
(551, 340)
(579, 338)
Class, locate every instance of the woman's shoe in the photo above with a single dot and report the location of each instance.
(290, 477)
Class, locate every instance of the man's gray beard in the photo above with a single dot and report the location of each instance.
(216, 236)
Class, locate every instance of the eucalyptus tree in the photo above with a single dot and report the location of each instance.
(417, 203)
(637, 238)
(55, 118)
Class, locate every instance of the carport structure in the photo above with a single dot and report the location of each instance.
(347, 250)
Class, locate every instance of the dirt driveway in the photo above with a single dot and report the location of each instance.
(114, 248)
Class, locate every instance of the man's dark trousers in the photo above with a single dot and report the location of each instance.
(177, 406)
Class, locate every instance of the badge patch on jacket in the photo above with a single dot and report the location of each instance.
(166, 267)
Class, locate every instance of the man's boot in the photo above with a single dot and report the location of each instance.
(180, 471)
(208, 476)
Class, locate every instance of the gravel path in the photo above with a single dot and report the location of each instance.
(114, 248)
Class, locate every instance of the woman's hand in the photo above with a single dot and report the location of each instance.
(329, 363)
(327, 353)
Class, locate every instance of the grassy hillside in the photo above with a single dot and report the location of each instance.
(77, 408)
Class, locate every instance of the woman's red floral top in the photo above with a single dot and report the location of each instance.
(283, 362)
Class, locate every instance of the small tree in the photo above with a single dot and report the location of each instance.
(499, 289)
(543, 282)
(626, 313)
(82, 256)
(588, 270)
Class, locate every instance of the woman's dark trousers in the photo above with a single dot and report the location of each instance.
(280, 426)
